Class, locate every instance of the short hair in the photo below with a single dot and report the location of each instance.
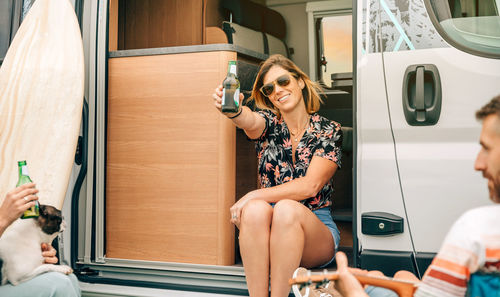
(310, 92)
(492, 107)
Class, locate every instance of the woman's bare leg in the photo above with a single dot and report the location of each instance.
(406, 275)
(255, 229)
(298, 237)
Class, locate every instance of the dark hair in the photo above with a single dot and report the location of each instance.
(310, 92)
(492, 107)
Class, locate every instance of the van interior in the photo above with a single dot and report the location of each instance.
(173, 164)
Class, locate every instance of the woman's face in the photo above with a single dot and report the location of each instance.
(286, 98)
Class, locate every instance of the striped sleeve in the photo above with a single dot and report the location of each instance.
(466, 249)
(448, 274)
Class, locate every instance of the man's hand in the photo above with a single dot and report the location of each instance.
(347, 284)
(49, 254)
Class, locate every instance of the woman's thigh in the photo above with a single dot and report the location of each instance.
(319, 247)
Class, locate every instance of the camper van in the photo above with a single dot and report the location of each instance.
(158, 167)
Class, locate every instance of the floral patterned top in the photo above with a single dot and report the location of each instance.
(322, 138)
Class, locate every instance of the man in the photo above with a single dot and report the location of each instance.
(471, 249)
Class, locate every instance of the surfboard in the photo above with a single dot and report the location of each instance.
(41, 97)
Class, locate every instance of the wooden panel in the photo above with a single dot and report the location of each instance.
(214, 14)
(170, 160)
(154, 23)
(113, 25)
(215, 35)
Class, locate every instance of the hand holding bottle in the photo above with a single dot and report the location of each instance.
(16, 202)
(227, 96)
(217, 96)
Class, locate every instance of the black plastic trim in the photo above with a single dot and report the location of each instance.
(78, 185)
(355, 242)
(449, 40)
(424, 260)
(381, 223)
(266, 43)
(226, 27)
(422, 81)
(389, 262)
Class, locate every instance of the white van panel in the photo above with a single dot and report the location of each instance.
(377, 178)
(436, 162)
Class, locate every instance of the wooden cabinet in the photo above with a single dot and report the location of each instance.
(135, 24)
(170, 160)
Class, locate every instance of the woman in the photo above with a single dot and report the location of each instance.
(287, 222)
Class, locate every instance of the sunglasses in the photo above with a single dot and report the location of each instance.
(282, 81)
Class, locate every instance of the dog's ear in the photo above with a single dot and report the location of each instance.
(43, 210)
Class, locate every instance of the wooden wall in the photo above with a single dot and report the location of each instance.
(135, 24)
(170, 160)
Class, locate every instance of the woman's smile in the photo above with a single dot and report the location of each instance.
(283, 98)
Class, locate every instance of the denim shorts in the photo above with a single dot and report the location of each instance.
(325, 216)
(379, 292)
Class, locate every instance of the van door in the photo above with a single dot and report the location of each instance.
(441, 64)
(378, 193)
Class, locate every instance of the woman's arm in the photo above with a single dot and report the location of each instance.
(251, 122)
(320, 171)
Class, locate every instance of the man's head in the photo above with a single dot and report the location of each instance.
(488, 159)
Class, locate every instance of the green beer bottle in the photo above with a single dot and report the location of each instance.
(24, 178)
(231, 90)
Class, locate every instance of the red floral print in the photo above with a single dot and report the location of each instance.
(322, 138)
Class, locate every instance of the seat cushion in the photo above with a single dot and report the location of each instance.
(276, 46)
(347, 135)
(244, 37)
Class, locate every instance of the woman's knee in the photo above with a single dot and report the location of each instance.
(256, 212)
(405, 275)
(286, 212)
(376, 273)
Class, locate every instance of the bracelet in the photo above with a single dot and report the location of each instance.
(239, 112)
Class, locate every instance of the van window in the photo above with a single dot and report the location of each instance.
(469, 25)
(12, 13)
(9, 22)
(335, 47)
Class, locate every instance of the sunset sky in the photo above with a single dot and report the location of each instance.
(337, 34)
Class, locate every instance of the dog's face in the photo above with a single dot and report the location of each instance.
(50, 219)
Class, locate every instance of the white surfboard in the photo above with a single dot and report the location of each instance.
(41, 96)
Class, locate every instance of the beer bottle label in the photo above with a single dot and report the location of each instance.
(237, 97)
(24, 170)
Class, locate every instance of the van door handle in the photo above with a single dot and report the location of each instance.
(422, 95)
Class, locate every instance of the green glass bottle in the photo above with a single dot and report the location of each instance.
(231, 90)
(24, 178)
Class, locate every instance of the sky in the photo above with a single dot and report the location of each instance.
(337, 31)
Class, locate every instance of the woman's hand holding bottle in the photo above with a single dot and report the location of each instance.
(217, 96)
